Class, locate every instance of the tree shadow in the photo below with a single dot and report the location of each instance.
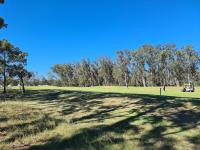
(90, 138)
(18, 129)
(182, 113)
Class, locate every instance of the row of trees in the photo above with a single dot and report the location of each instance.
(145, 66)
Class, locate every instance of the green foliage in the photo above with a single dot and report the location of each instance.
(122, 63)
(12, 62)
(106, 70)
(2, 23)
(146, 66)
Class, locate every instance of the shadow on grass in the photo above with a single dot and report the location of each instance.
(181, 113)
(30, 128)
(19, 121)
(90, 138)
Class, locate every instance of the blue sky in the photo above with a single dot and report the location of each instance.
(65, 31)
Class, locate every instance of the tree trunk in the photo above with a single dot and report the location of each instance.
(126, 80)
(164, 84)
(154, 76)
(4, 81)
(4, 75)
(188, 77)
(178, 83)
(143, 81)
(22, 84)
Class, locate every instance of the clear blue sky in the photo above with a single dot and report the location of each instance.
(61, 31)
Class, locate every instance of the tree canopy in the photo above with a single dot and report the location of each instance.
(148, 65)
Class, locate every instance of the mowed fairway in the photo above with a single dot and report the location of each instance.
(100, 118)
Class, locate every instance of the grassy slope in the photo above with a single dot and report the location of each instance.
(101, 118)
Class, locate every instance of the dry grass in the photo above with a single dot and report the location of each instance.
(78, 119)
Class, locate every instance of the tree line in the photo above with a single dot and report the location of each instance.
(162, 65)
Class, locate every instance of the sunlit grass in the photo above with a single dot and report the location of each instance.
(100, 118)
(170, 91)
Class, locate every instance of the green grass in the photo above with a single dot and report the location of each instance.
(170, 91)
(100, 118)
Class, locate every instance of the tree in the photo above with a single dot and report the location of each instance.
(139, 65)
(18, 60)
(84, 73)
(164, 59)
(9, 57)
(68, 75)
(178, 67)
(106, 70)
(20, 72)
(2, 24)
(95, 77)
(60, 71)
(192, 61)
(5, 55)
(146, 66)
(150, 56)
(123, 62)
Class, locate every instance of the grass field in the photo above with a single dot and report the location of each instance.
(100, 118)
